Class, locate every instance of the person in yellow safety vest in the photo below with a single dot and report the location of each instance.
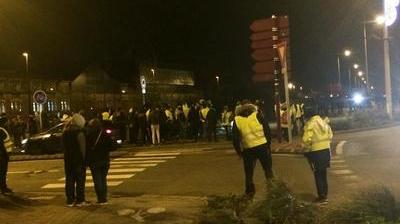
(203, 118)
(252, 140)
(6, 146)
(298, 110)
(316, 140)
(105, 116)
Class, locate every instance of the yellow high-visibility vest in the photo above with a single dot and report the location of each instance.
(251, 131)
(8, 143)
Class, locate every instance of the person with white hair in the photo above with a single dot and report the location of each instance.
(74, 145)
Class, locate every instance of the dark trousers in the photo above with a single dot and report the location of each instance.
(227, 132)
(250, 156)
(99, 174)
(320, 161)
(3, 171)
(212, 133)
(321, 181)
(75, 177)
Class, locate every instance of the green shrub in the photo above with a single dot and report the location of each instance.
(376, 205)
(360, 119)
(224, 210)
(281, 207)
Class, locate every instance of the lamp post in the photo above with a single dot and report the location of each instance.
(26, 56)
(346, 53)
(390, 9)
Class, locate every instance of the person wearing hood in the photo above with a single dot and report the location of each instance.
(74, 145)
(316, 139)
(252, 141)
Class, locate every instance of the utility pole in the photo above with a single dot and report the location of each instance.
(388, 82)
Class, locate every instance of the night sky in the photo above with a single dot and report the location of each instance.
(210, 37)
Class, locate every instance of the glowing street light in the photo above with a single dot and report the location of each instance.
(360, 73)
(347, 53)
(356, 66)
(380, 19)
(290, 85)
(372, 87)
(217, 78)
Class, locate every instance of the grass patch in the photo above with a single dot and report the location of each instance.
(376, 205)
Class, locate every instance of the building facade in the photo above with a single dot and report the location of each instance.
(94, 89)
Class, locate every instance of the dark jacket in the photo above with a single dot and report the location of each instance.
(98, 154)
(212, 117)
(3, 151)
(155, 117)
(245, 111)
(73, 141)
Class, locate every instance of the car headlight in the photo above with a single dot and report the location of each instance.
(119, 141)
(23, 142)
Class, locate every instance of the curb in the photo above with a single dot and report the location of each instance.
(367, 128)
(56, 156)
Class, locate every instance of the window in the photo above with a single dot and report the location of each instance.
(64, 105)
(16, 105)
(51, 106)
(37, 107)
(2, 106)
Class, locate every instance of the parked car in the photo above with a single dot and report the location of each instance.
(49, 142)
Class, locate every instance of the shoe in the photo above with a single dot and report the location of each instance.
(102, 203)
(83, 204)
(321, 201)
(6, 191)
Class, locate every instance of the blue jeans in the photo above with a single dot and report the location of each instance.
(99, 174)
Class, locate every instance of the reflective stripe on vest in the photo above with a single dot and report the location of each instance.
(251, 131)
(8, 143)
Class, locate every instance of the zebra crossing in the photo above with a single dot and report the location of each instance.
(122, 169)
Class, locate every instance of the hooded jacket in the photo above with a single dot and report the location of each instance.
(245, 111)
(317, 134)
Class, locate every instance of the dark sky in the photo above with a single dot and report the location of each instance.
(210, 36)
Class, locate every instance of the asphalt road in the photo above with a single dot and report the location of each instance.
(373, 157)
(178, 172)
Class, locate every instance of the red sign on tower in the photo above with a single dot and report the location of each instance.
(266, 34)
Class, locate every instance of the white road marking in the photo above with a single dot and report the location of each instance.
(127, 170)
(339, 148)
(342, 172)
(87, 184)
(19, 172)
(109, 177)
(338, 161)
(157, 154)
(339, 166)
(137, 162)
(144, 158)
(135, 165)
(351, 177)
(42, 198)
(53, 171)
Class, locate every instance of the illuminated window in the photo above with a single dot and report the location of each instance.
(2, 107)
(51, 106)
(64, 105)
(16, 106)
(37, 107)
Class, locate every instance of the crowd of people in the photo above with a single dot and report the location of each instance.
(86, 143)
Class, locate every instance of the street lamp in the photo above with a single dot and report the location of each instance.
(217, 78)
(346, 53)
(355, 66)
(26, 56)
(360, 73)
(380, 19)
(390, 9)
